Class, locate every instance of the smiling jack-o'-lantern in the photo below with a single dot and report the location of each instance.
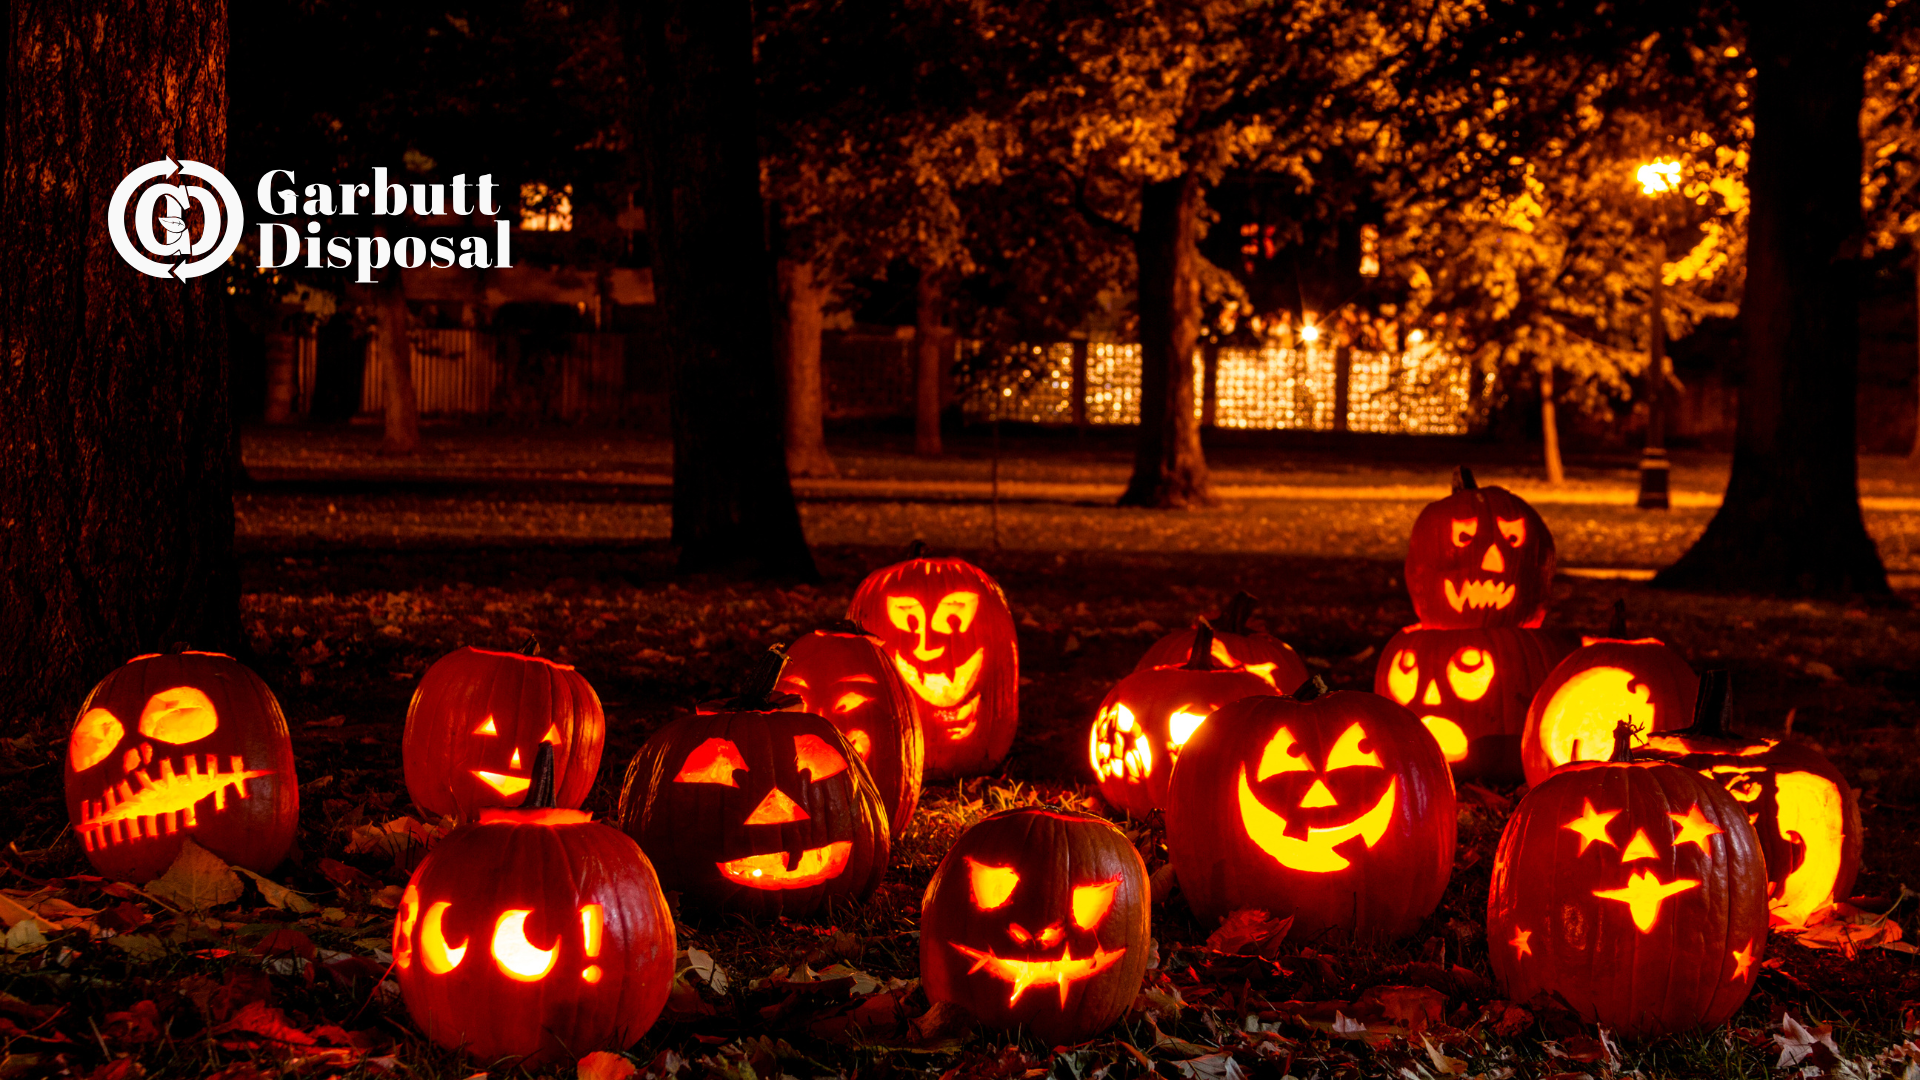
(1479, 557)
(1804, 812)
(177, 745)
(1635, 890)
(536, 934)
(1471, 688)
(479, 717)
(1334, 808)
(1038, 918)
(1604, 681)
(753, 809)
(1148, 717)
(842, 674)
(1234, 646)
(946, 626)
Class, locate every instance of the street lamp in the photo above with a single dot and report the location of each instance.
(1656, 179)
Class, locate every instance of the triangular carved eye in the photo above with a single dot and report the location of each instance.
(712, 762)
(1091, 902)
(1352, 749)
(815, 755)
(1282, 755)
(552, 735)
(487, 727)
(991, 886)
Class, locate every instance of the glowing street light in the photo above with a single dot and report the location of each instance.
(1309, 333)
(1656, 179)
(1659, 177)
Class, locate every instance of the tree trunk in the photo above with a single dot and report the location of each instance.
(929, 361)
(396, 355)
(802, 299)
(1913, 455)
(1550, 427)
(116, 500)
(1791, 519)
(733, 507)
(1169, 467)
(283, 361)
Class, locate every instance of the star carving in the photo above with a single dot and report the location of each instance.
(1644, 894)
(1693, 827)
(1743, 962)
(1592, 825)
(1520, 941)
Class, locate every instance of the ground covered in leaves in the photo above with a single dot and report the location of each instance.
(208, 972)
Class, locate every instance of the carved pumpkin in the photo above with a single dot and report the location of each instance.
(1234, 646)
(1149, 715)
(536, 934)
(177, 745)
(1334, 808)
(1471, 688)
(1038, 919)
(1806, 815)
(1633, 889)
(843, 675)
(1604, 681)
(477, 721)
(946, 626)
(1479, 557)
(756, 810)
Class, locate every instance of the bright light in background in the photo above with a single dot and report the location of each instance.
(1415, 337)
(1309, 333)
(1659, 178)
(543, 209)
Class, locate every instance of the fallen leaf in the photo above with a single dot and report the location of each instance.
(1442, 1064)
(25, 936)
(1416, 1007)
(141, 947)
(1797, 1043)
(279, 895)
(605, 1065)
(198, 880)
(1250, 931)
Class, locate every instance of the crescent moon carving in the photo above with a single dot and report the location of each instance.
(1314, 854)
(517, 957)
(439, 957)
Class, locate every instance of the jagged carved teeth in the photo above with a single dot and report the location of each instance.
(1479, 594)
(161, 804)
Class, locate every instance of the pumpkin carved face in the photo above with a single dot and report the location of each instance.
(1471, 689)
(845, 677)
(1038, 918)
(1605, 681)
(171, 746)
(1479, 557)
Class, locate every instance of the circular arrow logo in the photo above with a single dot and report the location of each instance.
(162, 225)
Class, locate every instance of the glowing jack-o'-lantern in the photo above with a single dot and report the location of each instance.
(1038, 918)
(479, 717)
(536, 934)
(753, 809)
(1633, 889)
(1479, 557)
(1606, 680)
(1234, 646)
(946, 626)
(1471, 689)
(1334, 808)
(842, 674)
(1804, 812)
(177, 745)
(1149, 715)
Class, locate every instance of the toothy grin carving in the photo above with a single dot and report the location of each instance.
(938, 689)
(163, 804)
(1023, 974)
(1478, 594)
(771, 871)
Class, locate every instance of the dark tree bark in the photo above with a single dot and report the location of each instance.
(802, 301)
(283, 362)
(733, 508)
(116, 492)
(929, 360)
(1791, 520)
(1169, 467)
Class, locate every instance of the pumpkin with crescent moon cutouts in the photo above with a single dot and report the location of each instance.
(1479, 557)
(842, 674)
(1334, 808)
(1235, 645)
(1471, 688)
(1604, 681)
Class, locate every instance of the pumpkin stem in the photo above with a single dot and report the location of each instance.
(531, 646)
(1233, 617)
(1713, 707)
(917, 549)
(178, 647)
(1200, 656)
(540, 791)
(1463, 479)
(1618, 628)
(757, 692)
(844, 626)
(1314, 687)
(1623, 734)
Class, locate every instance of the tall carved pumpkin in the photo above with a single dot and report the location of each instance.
(1604, 681)
(1148, 717)
(842, 674)
(946, 626)
(1234, 646)
(1806, 815)
(1633, 889)
(176, 745)
(1038, 919)
(477, 720)
(755, 809)
(1479, 557)
(536, 934)
(1334, 808)
(1471, 688)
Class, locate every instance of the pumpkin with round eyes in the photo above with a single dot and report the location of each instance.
(477, 720)
(1604, 681)
(1038, 919)
(755, 809)
(176, 745)
(1234, 646)
(1471, 688)
(1480, 557)
(1633, 889)
(1334, 808)
(536, 934)
(842, 674)
(945, 625)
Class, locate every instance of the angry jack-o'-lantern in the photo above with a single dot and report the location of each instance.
(1471, 688)
(1038, 918)
(1334, 808)
(479, 717)
(946, 626)
(1804, 812)
(177, 745)
(1234, 646)
(1633, 889)
(1604, 681)
(536, 934)
(1479, 557)
(1149, 715)
(842, 674)
(753, 809)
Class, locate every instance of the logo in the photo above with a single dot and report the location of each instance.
(166, 205)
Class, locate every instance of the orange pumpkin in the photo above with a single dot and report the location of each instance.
(842, 674)
(1235, 645)
(1471, 688)
(1604, 681)
(1479, 557)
